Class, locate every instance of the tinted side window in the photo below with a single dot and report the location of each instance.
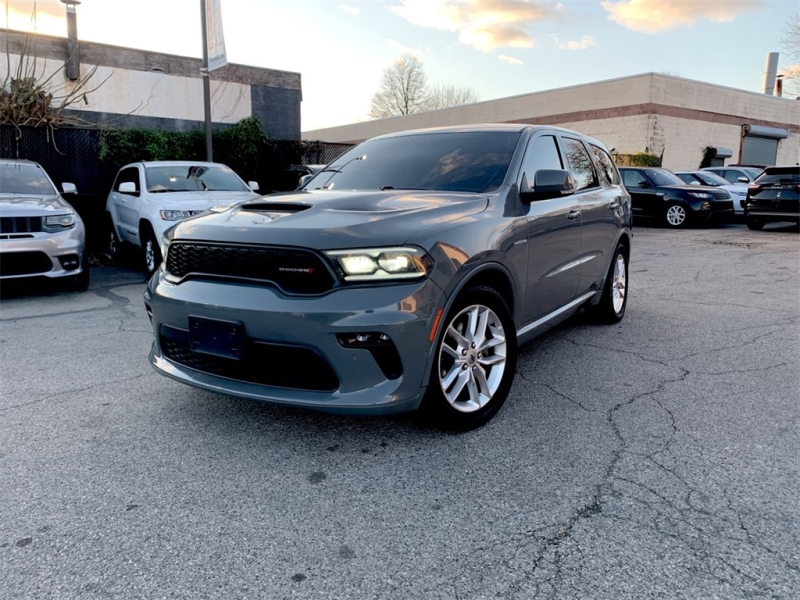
(605, 165)
(130, 174)
(580, 164)
(542, 153)
(732, 176)
(632, 179)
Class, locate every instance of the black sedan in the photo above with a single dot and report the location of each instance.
(773, 196)
(660, 194)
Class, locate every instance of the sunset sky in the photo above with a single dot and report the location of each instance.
(498, 47)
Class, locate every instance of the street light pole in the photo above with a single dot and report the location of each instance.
(206, 83)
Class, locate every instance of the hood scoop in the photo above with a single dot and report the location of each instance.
(275, 207)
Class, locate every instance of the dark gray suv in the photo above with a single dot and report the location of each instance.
(405, 274)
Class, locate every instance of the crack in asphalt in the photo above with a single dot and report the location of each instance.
(69, 392)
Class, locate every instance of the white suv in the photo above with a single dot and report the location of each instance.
(148, 198)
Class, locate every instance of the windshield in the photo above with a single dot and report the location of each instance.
(192, 178)
(458, 162)
(663, 177)
(709, 178)
(20, 178)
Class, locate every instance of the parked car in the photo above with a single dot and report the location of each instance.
(404, 275)
(737, 191)
(41, 234)
(147, 198)
(736, 174)
(773, 196)
(660, 194)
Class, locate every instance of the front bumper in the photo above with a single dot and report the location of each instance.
(405, 313)
(42, 254)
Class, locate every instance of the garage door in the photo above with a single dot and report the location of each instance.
(760, 144)
(759, 151)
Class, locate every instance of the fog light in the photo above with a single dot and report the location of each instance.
(70, 262)
(380, 346)
(705, 206)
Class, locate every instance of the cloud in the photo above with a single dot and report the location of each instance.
(582, 44)
(510, 59)
(482, 24)
(353, 10)
(404, 49)
(652, 16)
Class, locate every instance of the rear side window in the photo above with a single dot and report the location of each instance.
(131, 174)
(605, 166)
(580, 164)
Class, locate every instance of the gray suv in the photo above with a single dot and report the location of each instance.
(403, 275)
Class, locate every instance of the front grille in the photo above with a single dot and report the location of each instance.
(262, 363)
(20, 224)
(720, 195)
(293, 270)
(24, 263)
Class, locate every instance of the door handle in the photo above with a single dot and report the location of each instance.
(573, 214)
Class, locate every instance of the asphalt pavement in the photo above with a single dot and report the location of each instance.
(656, 458)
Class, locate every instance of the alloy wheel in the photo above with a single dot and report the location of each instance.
(472, 358)
(619, 284)
(676, 215)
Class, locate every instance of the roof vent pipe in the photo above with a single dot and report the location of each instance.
(72, 66)
(770, 72)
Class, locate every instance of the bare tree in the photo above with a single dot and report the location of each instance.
(403, 89)
(791, 47)
(444, 95)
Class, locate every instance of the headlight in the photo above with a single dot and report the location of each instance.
(382, 263)
(58, 223)
(738, 193)
(174, 215)
(700, 194)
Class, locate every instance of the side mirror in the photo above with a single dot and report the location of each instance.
(304, 180)
(127, 187)
(69, 188)
(743, 180)
(253, 185)
(692, 183)
(547, 184)
(646, 184)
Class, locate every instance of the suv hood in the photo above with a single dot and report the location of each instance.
(200, 200)
(332, 220)
(25, 205)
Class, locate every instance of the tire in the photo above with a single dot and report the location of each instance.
(755, 224)
(614, 301)
(472, 375)
(113, 243)
(676, 216)
(151, 249)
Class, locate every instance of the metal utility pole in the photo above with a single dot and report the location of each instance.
(206, 83)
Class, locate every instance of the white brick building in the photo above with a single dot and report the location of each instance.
(644, 113)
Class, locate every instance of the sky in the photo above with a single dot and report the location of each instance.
(499, 48)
